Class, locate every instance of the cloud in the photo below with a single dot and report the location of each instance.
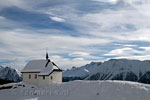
(68, 63)
(57, 19)
(108, 1)
(11, 3)
(145, 57)
(19, 45)
(130, 53)
(129, 45)
(141, 35)
(129, 23)
(2, 18)
(78, 59)
(122, 52)
(145, 48)
(79, 54)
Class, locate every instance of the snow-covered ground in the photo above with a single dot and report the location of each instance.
(77, 90)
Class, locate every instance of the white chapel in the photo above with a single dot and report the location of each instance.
(42, 72)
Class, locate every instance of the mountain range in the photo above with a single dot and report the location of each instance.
(113, 69)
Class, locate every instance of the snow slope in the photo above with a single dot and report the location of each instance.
(7, 73)
(115, 69)
(78, 90)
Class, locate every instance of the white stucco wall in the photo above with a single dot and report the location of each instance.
(43, 82)
(32, 80)
(56, 78)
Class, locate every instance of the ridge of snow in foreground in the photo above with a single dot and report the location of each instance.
(77, 90)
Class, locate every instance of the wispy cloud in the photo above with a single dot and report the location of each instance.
(122, 52)
(21, 45)
(79, 54)
(57, 19)
(75, 31)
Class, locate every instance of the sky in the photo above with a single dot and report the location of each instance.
(75, 32)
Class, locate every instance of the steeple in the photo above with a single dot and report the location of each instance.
(47, 58)
(47, 55)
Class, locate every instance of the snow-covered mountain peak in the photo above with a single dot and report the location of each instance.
(122, 65)
(1, 67)
(7, 73)
(82, 71)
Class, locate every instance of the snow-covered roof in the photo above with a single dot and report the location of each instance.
(44, 67)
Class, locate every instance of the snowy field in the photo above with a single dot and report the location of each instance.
(77, 90)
